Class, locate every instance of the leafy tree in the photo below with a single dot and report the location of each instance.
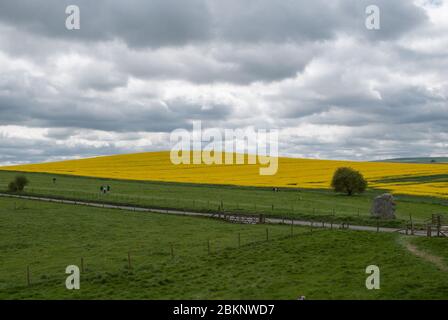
(21, 182)
(12, 187)
(349, 181)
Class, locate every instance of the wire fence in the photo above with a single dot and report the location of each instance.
(280, 207)
(140, 256)
(41, 269)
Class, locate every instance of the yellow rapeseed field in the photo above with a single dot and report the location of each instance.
(292, 172)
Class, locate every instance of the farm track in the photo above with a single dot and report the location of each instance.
(221, 216)
(435, 260)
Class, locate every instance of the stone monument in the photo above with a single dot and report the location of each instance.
(383, 207)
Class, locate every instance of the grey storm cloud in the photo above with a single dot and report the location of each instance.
(176, 22)
(139, 23)
(136, 70)
(103, 115)
(224, 62)
(25, 150)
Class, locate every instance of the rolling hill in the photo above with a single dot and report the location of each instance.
(404, 178)
(443, 160)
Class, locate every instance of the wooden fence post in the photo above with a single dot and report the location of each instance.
(28, 277)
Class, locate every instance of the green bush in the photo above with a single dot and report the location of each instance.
(19, 184)
(12, 187)
(349, 181)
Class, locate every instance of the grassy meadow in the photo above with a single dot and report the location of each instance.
(310, 204)
(324, 264)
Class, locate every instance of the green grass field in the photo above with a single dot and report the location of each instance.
(302, 204)
(324, 264)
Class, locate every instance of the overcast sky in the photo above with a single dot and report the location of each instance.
(136, 70)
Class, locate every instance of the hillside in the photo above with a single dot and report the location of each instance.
(418, 160)
(405, 178)
(443, 160)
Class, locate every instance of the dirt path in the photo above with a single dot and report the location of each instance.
(436, 260)
(213, 215)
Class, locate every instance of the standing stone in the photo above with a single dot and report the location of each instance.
(383, 207)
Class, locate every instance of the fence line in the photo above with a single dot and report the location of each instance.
(219, 214)
(133, 258)
(177, 203)
(134, 255)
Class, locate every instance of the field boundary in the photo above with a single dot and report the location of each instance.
(217, 215)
